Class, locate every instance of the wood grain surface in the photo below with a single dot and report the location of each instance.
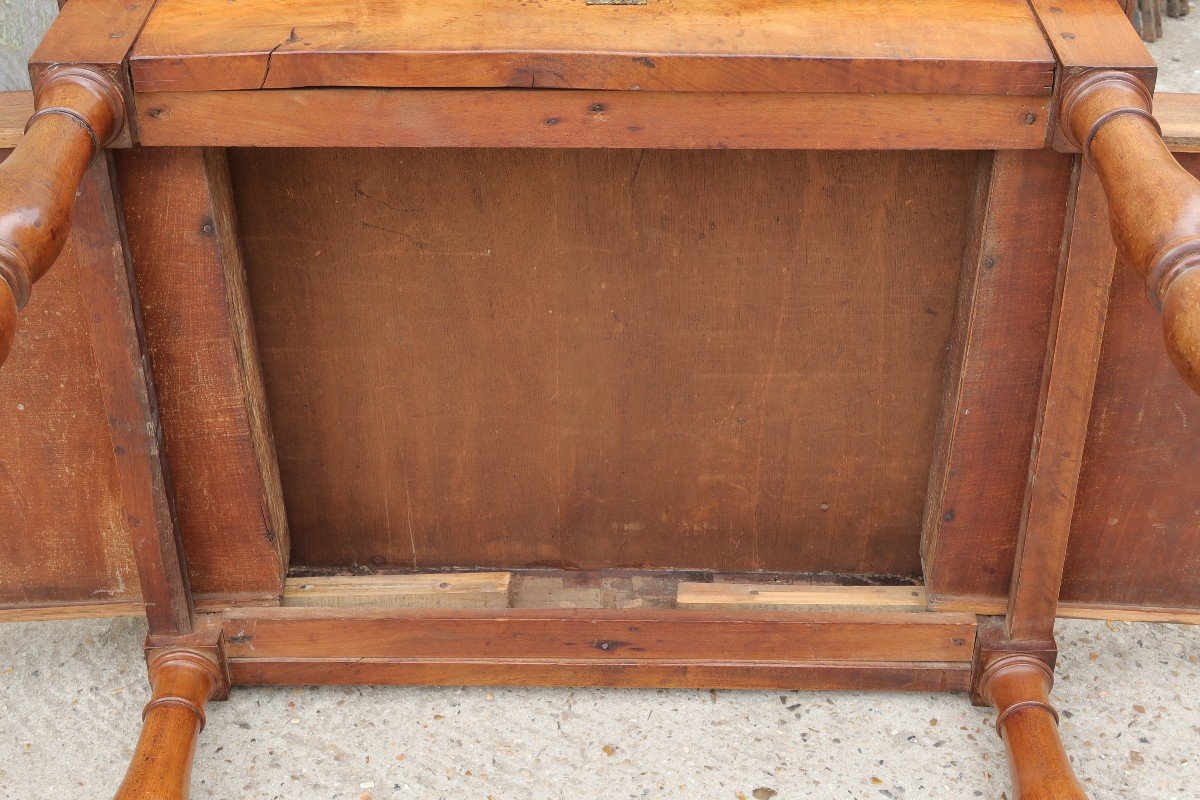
(93, 32)
(936, 46)
(1179, 115)
(1086, 34)
(64, 539)
(566, 118)
(598, 635)
(628, 648)
(1135, 539)
(130, 402)
(198, 328)
(985, 435)
(1069, 374)
(15, 110)
(752, 596)
(710, 360)
(897, 676)
(426, 590)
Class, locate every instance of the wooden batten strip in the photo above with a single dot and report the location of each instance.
(211, 401)
(570, 118)
(84, 610)
(626, 648)
(1004, 316)
(879, 676)
(1069, 376)
(990, 607)
(15, 110)
(127, 389)
(597, 635)
(435, 590)
(1179, 115)
(784, 597)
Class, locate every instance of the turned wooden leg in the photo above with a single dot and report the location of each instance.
(1018, 687)
(183, 682)
(1153, 202)
(78, 112)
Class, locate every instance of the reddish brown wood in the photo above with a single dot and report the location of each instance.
(1135, 541)
(629, 674)
(1018, 687)
(935, 46)
(183, 682)
(199, 333)
(654, 367)
(1072, 354)
(65, 544)
(1086, 34)
(563, 647)
(997, 352)
(1154, 202)
(95, 35)
(128, 392)
(78, 112)
(564, 635)
(565, 118)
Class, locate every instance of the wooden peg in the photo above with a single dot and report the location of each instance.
(1018, 687)
(1154, 204)
(183, 682)
(78, 112)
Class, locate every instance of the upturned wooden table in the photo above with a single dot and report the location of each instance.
(680, 343)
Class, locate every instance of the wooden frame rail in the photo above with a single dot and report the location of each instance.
(578, 118)
(1098, 106)
(573, 647)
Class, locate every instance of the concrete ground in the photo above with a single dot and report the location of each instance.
(1178, 53)
(71, 694)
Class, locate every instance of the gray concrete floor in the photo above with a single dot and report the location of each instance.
(71, 692)
(1178, 53)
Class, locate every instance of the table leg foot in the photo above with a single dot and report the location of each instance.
(1018, 687)
(183, 681)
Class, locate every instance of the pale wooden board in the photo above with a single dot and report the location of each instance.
(15, 109)
(492, 590)
(783, 597)
(1179, 115)
(990, 607)
(430, 590)
(85, 610)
